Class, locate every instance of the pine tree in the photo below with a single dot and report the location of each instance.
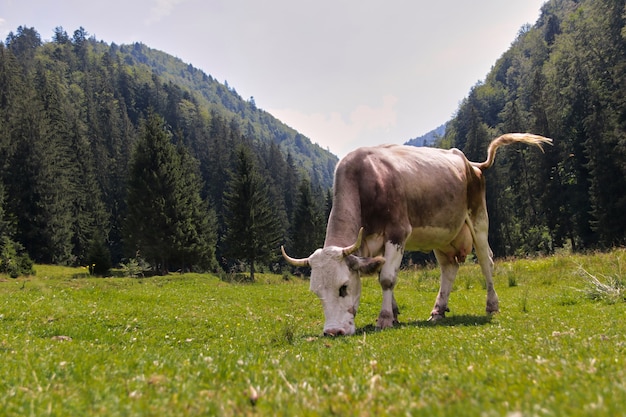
(196, 235)
(252, 228)
(39, 174)
(167, 222)
(13, 259)
(99, 257)
(307, 232)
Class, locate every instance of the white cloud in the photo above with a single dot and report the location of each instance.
(338, 133)
(161, 9)
(368, 117)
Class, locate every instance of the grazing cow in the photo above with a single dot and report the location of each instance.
(393, 198)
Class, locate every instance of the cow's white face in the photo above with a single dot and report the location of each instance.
(338, 287)
(336, 279)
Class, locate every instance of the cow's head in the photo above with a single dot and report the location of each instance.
(336, 279)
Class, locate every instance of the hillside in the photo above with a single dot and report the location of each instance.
(565, 78)
(430, 138)
(72, 113)
(212, 94)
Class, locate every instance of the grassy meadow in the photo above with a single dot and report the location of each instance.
(191, 345)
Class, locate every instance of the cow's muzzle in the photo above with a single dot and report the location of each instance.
(334, 332)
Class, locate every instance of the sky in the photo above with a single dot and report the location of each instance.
(344, 73)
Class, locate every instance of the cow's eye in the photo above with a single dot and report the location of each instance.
(343, 291)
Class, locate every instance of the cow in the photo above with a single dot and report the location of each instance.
(393, 198)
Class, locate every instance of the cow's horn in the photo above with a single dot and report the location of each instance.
(351, 249)
(293, 261)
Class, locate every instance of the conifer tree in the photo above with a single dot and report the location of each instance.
(196, 234)
(13, 259)
(166, 222)
(307, 232)
(252, 228)
(38, 178)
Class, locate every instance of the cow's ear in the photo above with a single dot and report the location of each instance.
(367, 266)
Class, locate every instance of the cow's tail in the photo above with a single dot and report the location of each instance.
(507, 139)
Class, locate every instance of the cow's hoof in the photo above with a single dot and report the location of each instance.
(436, 317)
(492, 308)
(385, 321)
(438, 314)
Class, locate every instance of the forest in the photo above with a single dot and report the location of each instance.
(564, 78)
(117, 153)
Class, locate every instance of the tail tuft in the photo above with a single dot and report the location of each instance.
(507, 139)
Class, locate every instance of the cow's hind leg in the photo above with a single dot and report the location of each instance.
(449, 267)
(387, 277)
(485, 259)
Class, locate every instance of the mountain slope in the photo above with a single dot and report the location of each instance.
(72, 112)
(565, 78)
(258, 123)
(428, 139)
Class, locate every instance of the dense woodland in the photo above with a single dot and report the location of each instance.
(564, 78)
(111, 153)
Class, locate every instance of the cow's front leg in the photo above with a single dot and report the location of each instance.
(388, 276)
(449, 268)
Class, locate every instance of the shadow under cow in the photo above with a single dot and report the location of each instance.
(451, 321)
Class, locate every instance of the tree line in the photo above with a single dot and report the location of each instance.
(564, 78)
(104, 160)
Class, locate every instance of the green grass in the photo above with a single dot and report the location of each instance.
(187, 345)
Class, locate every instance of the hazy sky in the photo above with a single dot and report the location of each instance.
(345, 73)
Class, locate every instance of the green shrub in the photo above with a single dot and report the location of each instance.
(99, 258)
(235, 277)
(13, 259)
(135, 267)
